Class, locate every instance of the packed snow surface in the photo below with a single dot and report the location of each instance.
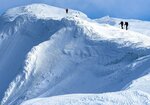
(117, 98)
(48, 57)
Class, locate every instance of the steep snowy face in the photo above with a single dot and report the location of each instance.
(22, 28)
(53, 53)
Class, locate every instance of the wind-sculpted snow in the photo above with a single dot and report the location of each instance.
(51, 53)
(21, 29)
(117, 98)
(15, 47)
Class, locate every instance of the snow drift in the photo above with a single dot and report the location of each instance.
(48, 53)
(117, 98)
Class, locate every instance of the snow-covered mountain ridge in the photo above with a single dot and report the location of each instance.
(40, 11)
(46, 52)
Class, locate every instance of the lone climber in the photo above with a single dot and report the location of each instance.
(121, 23)
(126, 24)
(66, 10)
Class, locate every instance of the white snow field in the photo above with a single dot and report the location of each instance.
(134, 25)
(48, 57)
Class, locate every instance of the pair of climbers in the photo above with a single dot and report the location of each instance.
(122, 25)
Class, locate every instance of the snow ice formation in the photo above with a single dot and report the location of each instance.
(48, 57)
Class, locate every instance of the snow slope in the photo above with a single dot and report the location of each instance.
(20, 29)
(117, 98)
(47, 53)
(134, 25)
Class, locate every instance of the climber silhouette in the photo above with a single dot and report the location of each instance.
(67, 10)
(126, 24)
(121, 23)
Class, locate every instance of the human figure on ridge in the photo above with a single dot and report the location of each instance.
(121, 23)
(67, 10)
(126, 24)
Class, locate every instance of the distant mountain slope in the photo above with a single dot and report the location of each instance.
(134, 25)
(46, 52)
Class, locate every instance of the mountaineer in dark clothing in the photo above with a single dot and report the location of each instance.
(126, 24)
(121, 23)
(66, 10)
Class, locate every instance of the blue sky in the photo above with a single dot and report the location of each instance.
(137, 9)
